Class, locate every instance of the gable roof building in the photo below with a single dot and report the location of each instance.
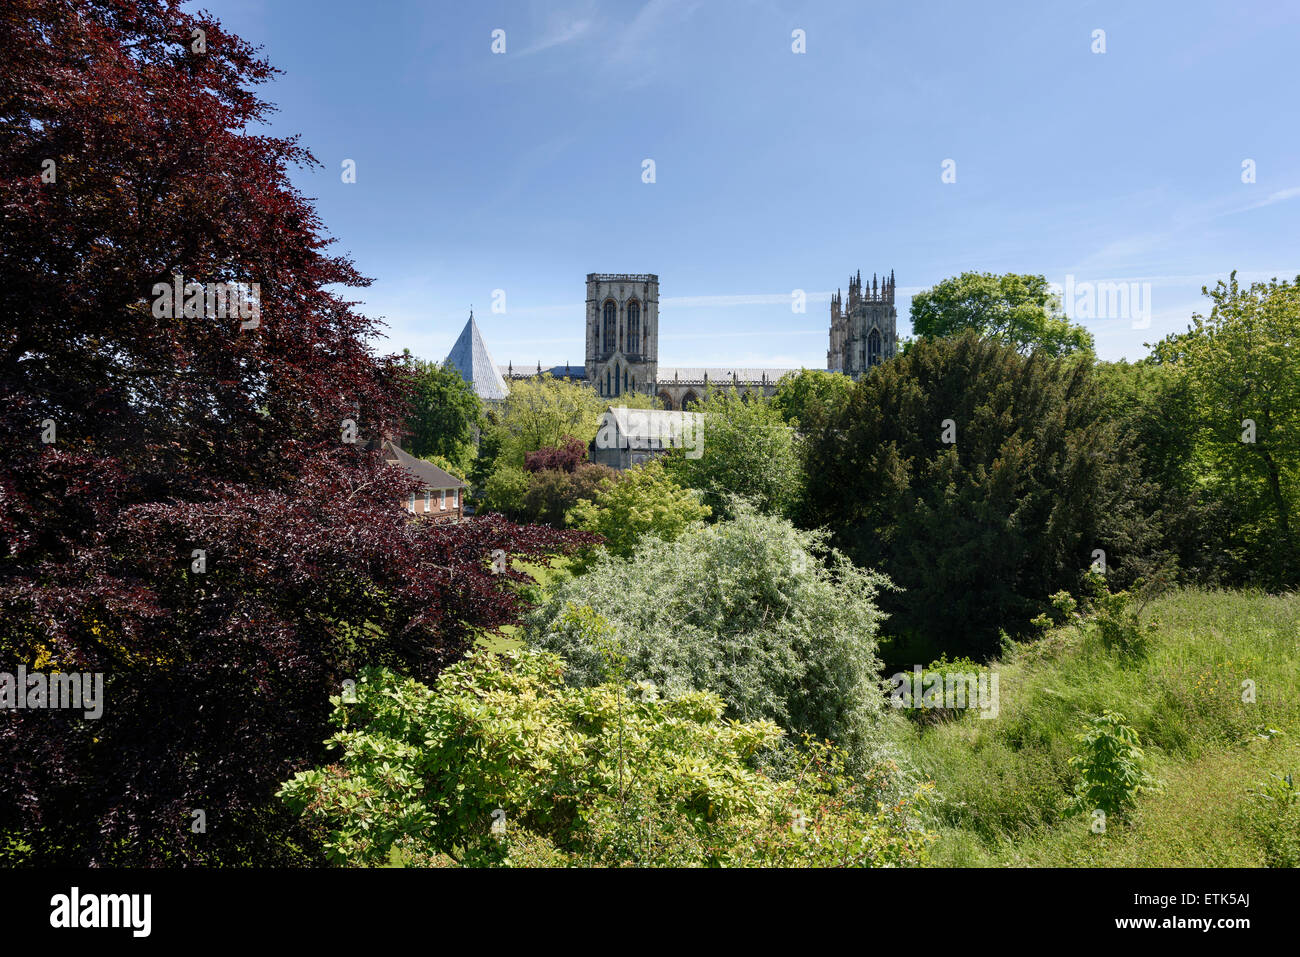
(470, 357)
(443, 495)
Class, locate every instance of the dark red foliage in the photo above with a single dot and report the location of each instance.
(191, 433)
(564, 459)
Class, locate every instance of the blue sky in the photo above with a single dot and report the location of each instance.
(778, 171)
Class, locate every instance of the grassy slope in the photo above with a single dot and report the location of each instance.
(1005, 780)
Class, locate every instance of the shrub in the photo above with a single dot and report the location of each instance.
(924, 694)
(599, 775)
(753, 609)
(1110, 767)
(552, 493)
(646, 501)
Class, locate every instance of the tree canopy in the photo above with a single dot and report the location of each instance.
(978, 479)
(443, 413)
(186, 506)
(1019, 309)
(747, 450)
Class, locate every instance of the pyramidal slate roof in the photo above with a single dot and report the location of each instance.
(470, 357)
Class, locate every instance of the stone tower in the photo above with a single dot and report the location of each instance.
(622, 332)
(865, 333)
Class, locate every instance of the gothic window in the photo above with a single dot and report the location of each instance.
(634, 328)
(607, 340)
(606, 392)
(873, 348)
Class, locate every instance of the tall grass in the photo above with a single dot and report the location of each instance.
(1004, 782)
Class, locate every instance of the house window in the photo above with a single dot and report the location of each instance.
(410, 506)
(455, 498)
(442, 500)
(428, 495)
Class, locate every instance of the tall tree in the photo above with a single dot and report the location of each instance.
(979, 479)
(1019, 309)
(540, 413)
(444, 411)
(798, 392)
(745, 449)
(1242, 364)
(180, 508)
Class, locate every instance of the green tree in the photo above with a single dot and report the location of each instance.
(541, 413)
(748, 451)
(552, 493)
(1154, 410)
(645, 502)
(798, 393)
(444, 411)
(1020, 309)
(980, 480)
(752, 608)
(504, 491)
(1242, 364)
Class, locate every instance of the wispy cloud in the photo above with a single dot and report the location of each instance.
(1272, 199)
(561, 31)
(636, 54)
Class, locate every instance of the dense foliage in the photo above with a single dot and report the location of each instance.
(180, 509)
(443, 412)
(810, 393)
(1242, 370)
(502, 763)
(748, 451)
(753, 609)
(1013, 308)
(538, 413)
(552, 481)
(979, 531)
(645, 501)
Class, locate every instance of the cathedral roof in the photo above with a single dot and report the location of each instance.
(470, 357)
(558, 372)
(668, 374)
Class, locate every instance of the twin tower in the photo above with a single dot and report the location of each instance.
(623, 338)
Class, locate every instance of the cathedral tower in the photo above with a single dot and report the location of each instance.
(622, 332)
(864, 333)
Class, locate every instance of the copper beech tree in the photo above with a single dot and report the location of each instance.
(181, 507)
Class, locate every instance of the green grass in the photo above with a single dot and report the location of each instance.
(1004, 782)
(545, 578)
